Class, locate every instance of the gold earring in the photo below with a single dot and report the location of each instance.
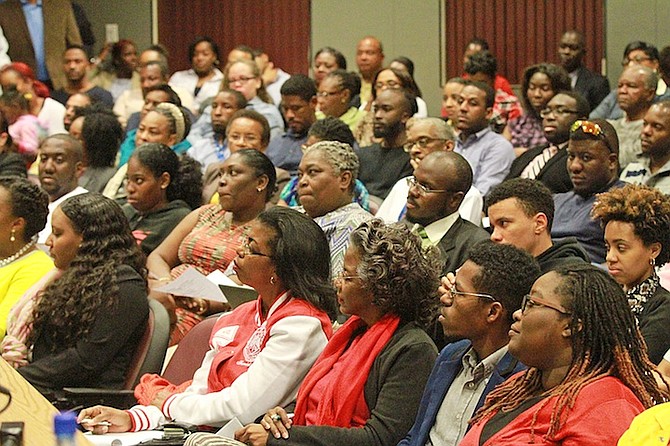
(12, 237)
(273, 280)
(652, 261)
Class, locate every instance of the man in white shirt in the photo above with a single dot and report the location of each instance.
(60, 166)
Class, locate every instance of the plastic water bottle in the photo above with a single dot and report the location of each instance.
(65, 427)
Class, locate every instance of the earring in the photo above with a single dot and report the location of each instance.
(652, 261)
(12, 237)
(259, 189)
(273, 280)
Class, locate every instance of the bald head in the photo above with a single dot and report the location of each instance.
(369, 57)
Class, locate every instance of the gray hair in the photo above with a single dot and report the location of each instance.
(340, 156)
(441, 128)
(650, 76)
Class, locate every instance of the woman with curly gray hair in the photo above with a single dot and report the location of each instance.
(371, 374)
(326, 178)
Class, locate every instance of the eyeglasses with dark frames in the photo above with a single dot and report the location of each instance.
(455, 292)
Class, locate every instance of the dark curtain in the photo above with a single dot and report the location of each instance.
(280, 27)
(522, 32)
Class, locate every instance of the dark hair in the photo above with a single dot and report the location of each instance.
(301, 256)
(482, 62)
(4, 128)
(340, 60)
(174, 112)
(479, 42)
(664, 61)
(646, 208)
(76, 46)
(101, 134)
(407, 63)
(332, 129)
(173, 97)
(406, 81)
(605, 342)
(199, 40)
(299, 85)
(68, 307)
(505, 272)
(348, 81)
(559, 78)
(185, 173)
(28, 201)
(486, 88)
(650, 50)
(240, 100)
(402, 278)
(13, 98)
(250, 51)
(117, 52)
(583, 107)
(254, 116)
(262, 166)
(74, 145)
(533, 197)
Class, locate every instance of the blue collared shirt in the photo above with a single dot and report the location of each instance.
(490, 157)
(35, 23)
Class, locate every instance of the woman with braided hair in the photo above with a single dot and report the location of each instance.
(636, 220)
(588, 376)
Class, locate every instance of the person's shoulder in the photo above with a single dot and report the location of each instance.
(607, 388)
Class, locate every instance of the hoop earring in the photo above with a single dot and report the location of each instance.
(12, 236)
(273, 280)
(652, 261)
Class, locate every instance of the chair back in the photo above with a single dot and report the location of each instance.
(190, 352)
(150, 352)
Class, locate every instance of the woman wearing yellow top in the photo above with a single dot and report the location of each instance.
(23, 214)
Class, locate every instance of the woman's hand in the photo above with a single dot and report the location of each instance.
(96, 419)
(252, 434)
(168, 302)
(277, 422)
(160, 398)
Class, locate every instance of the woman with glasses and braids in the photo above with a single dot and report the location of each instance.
(636, 220)
(589, 374)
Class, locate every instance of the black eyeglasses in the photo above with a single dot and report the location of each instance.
(532, 302)
(557, 111)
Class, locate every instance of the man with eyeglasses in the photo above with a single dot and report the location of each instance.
(424, 136)
(635, 94)
(593, 164)
(477, 315)
(298, 105)
(547, 162)
(592, 86)
(435, 193)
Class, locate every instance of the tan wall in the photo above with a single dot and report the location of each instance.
(628, 20)
(406, 28)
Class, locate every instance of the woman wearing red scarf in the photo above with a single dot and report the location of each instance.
(365, 387)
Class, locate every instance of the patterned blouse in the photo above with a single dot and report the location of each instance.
(527, 131)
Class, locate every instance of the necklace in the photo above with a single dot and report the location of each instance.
(7, 260)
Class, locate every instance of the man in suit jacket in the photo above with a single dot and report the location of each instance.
(478, 307)
(547, 162)
(59, 29)
(439, 184)
(592, 86)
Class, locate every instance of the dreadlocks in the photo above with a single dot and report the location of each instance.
(598, 305)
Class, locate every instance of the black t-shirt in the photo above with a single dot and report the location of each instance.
(382, 167)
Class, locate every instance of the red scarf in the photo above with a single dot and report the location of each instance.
(343, 400)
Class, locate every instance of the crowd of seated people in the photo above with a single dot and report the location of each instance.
(499, 271)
